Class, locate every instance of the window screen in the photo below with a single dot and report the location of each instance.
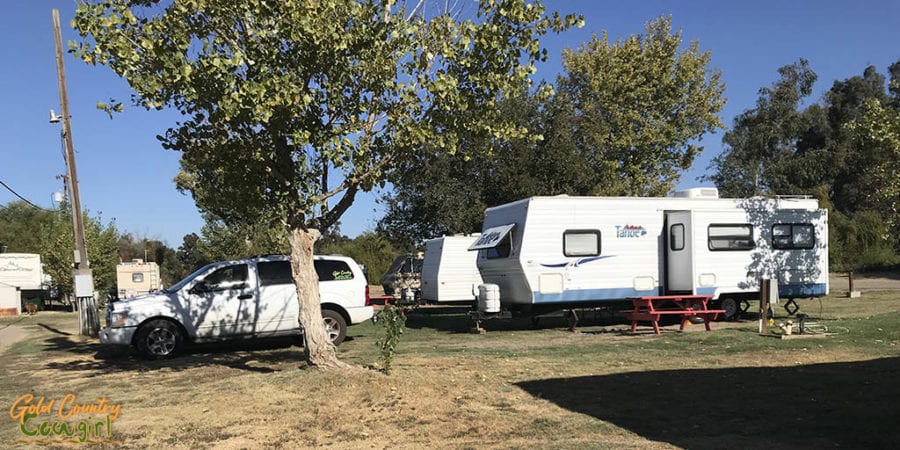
(581, 243)
(724, 237)
(676, 237)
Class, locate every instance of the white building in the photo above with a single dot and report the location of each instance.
(10, 300)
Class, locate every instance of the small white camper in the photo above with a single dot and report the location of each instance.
(449, 272)
(552, 253)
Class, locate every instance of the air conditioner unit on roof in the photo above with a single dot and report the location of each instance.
(702, 192)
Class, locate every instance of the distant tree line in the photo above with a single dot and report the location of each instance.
(48, 232)
(26, 229)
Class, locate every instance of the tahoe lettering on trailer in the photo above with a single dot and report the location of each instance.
(630, 231)
(488, 238)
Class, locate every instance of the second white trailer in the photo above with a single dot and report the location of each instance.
(449, 271)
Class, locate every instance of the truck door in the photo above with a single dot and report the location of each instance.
(223, 304)
(679, 252)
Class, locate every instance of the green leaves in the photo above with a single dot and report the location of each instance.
(111, 107)
(639, 103)
(290, 105)
(843, 149)
(393, 321)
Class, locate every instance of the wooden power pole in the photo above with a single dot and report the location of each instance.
(88, 318)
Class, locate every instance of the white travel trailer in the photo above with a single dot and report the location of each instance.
(552, 253)
(449, 272)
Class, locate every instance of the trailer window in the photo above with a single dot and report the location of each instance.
(727, 237)
(676, 237)
(501, 250)
(793, 236)
(137, 277)
(581, 242)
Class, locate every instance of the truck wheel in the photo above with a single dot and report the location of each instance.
(335, 326)
(159, 339)
(732, 309)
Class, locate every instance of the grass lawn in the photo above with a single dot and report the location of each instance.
(516, 386)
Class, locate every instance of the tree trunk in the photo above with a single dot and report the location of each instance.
(320, 352)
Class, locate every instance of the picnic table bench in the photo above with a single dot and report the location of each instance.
(652, 308)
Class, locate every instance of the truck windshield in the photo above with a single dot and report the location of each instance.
(177, 286)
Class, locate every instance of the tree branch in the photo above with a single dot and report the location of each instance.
(329, 219)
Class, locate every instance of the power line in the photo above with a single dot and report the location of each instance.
(17, 195)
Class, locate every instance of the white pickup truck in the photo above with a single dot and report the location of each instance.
(252, 297)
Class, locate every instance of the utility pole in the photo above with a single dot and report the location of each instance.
(88, 318)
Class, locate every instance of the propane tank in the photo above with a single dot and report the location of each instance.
(489, 298)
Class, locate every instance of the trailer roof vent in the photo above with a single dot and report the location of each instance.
(703, 192)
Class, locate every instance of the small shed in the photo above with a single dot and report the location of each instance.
(10, 300)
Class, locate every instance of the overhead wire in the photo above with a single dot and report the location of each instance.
(18, 195)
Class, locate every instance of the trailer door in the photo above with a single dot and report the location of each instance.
(679, 252)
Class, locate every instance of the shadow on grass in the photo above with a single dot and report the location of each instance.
(852, 404)
(55, 330)
(103, 359)
(453, 319)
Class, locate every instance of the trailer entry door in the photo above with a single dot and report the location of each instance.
(679, 252)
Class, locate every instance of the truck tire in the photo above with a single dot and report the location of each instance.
(159, 339)
(335, 326)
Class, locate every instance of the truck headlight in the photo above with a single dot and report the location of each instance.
(117, 319)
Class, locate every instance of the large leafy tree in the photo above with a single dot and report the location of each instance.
(293, 107)
(764, 139)
(437, 194)
(639, 106)
(842, 149)
(102, 246)
(623, 123)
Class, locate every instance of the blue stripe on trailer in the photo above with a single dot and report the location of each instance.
(801, 290)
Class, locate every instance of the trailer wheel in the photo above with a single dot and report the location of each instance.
(732, 308)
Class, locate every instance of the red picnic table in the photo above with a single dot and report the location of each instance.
(651, 308)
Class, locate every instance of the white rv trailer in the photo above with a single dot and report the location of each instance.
(449, 272)
(561, 252)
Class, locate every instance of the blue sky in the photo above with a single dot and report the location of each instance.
(126, 175)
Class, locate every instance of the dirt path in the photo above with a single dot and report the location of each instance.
(11, 333)
(875, 281)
